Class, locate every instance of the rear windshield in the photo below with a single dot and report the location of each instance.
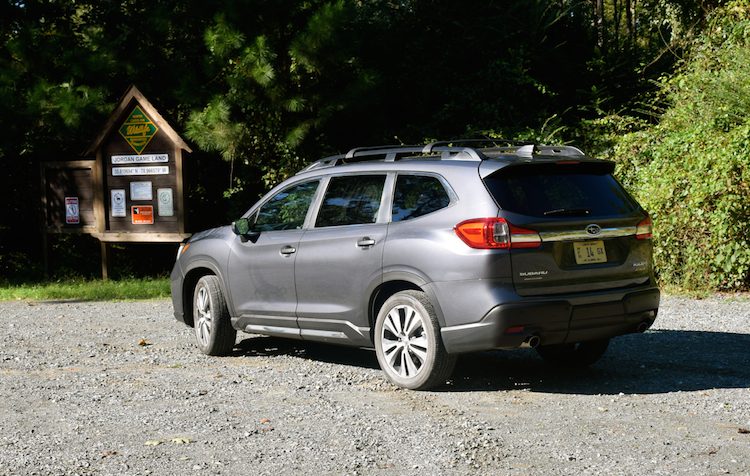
(549, 190)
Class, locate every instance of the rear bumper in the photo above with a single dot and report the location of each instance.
(556, 321)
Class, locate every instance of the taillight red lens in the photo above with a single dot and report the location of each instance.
(484, 233)
(523, 238)
(496, 233)
(643, 231)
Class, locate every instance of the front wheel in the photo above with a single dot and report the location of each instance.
(408, 342)
(213, 328)
(577, 355)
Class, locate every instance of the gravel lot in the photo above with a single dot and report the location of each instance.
(119, 388)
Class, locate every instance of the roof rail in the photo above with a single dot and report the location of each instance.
(362, 154)
(379, 149)
(448, 150)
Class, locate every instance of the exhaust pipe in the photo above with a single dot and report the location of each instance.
(643, 326)
(532, 341)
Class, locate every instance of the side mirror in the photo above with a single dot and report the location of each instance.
(241, 226)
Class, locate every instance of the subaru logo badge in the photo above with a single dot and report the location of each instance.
(594, 230)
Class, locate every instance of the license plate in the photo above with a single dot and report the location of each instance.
(590, 252)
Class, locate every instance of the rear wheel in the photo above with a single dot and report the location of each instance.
(213, 329)
(408, 343)
(578, 355)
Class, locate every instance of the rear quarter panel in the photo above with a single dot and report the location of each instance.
(465, 281)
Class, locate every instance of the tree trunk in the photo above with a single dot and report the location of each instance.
(599, 18)
(629, 7)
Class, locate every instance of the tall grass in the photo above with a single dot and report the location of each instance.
(88, 290)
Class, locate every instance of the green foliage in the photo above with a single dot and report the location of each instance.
(692, 170)
(280, 77)
(261, 87)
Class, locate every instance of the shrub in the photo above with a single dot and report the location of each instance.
(691, 171)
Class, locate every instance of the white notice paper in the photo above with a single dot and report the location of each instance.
(71, 211)
(155, 170)
(141, 191)
(166, 202)
(118, 203)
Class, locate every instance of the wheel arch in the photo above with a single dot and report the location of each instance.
(196, 271)
(396, 282)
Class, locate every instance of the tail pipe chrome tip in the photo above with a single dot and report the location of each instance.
(531, 341)
(643, 326)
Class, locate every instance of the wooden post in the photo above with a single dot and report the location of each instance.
(45, 247)
(106, 260)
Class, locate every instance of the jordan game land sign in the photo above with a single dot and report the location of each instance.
(130, 188)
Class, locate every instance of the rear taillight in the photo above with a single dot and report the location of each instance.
(643, 230)
(496, 233)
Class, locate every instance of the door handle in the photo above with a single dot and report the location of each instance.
(366, 241)
(288, 250)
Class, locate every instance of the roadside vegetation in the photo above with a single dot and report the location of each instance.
(691, 169)
(88, 290)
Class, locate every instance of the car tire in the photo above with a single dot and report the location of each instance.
(408, 343)
(213, 329)
(578, 355)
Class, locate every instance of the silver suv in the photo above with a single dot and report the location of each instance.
(428, 252)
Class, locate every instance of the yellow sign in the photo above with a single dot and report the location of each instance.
(138, 130)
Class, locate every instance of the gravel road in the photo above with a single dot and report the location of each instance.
(119, 388)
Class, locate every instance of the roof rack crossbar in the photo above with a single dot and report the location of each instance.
(429, 147)
(529, 150)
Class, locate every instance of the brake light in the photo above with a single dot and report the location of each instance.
(496, 233)
(643, 231)
(524, 238)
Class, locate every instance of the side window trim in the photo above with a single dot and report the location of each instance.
(386, 205)
(312, 214)
(312, 211)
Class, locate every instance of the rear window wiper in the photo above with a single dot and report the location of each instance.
(578, 212)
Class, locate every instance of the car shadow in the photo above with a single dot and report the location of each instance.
(266, 346)
(659, 361)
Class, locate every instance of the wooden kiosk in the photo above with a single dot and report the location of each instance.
(132, 191)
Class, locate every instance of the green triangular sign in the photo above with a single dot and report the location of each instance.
(138, 130)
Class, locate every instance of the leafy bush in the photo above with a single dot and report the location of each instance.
(692, 170)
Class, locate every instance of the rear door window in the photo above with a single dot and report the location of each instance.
(351, 200)
(551, 190)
